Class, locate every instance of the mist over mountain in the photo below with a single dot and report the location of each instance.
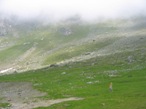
(89, 10)
(56, 51)
(36, 34)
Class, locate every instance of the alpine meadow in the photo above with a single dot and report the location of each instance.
(71, 62)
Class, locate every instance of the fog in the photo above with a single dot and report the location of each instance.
(56, 10)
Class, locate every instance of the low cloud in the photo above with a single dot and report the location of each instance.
(60, 9)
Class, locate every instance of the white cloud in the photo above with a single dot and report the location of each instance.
(88, 9)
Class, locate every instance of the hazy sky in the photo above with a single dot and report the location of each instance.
(87, 9)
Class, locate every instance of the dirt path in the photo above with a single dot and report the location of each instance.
(23, 96)
(44, 103)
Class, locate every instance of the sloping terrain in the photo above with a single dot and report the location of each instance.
(74, 60)
(88, 79)
(31, 45)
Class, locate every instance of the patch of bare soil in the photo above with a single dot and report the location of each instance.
(21, 95)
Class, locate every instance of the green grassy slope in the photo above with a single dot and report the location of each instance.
(111, 52)
(91, 81)
(52, 43)
(65, 42)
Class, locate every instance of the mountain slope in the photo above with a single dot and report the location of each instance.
(31, 45)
